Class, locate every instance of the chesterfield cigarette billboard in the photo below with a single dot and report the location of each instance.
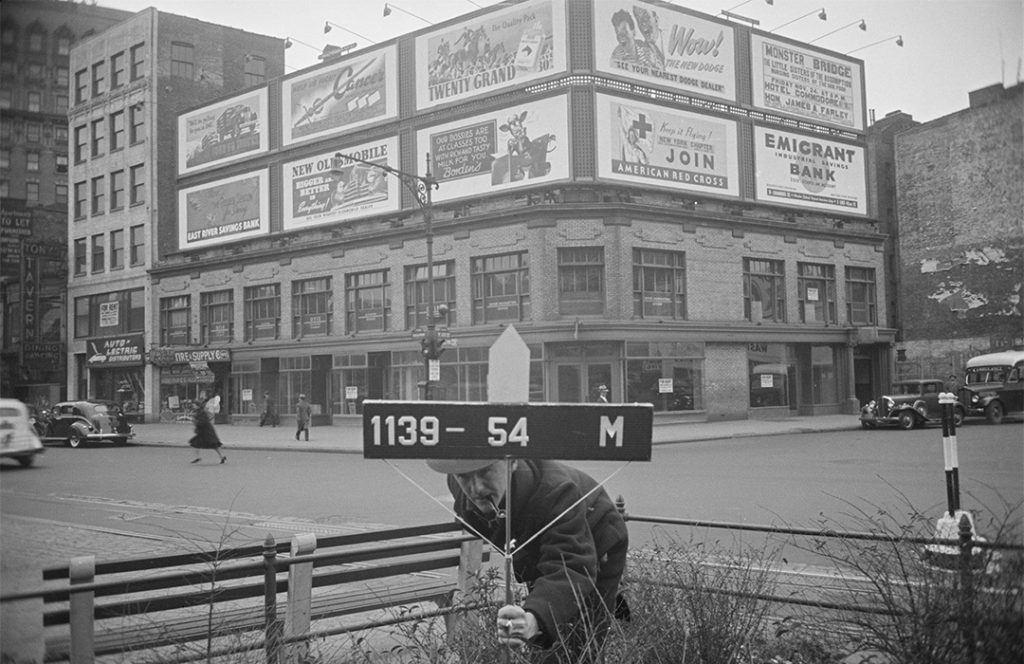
(346, 95)
(666, 47)
(227, 210)
(810, 172)
(223, 132)
(506, 48)
(806, 84)
(314, 195)
(515, 147)
(653, 145)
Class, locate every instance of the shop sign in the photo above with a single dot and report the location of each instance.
(42, 354)
(114, 351)
(205, 355)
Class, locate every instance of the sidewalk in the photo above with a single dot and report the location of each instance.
(346, 434)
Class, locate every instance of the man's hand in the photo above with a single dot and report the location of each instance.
(516, 626)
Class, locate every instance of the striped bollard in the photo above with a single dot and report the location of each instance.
(947, 401)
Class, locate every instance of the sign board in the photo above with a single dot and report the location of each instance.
(482, 430)
(664, 386)
(247, 394)
(351, 392)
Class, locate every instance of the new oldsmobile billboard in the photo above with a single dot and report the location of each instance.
(519, 146)
(653, 145)
(807, 84)
(227, 210)
(314, 195)
(223, 132)
(810, 172)
(490, 53)
(341, 97)
(665, 47)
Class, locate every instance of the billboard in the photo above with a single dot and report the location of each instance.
(515, 147)
(343, 96)
(313, 195)
(810, 85)
(665, 47)
(235, 208)
(502, 49)
(653, 145)
(223, 132)
(810, 172)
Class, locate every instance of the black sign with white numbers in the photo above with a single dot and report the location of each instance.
(481, 430)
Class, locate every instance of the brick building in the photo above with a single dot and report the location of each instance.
(961, 235)
(35, 45)
(683, 218)
(128, 84)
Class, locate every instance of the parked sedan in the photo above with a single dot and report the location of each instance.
(913, 403)
(18, 440)
(78, 422)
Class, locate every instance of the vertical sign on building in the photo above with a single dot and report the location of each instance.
(29, 295)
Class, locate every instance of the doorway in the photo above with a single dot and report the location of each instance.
(320, 389)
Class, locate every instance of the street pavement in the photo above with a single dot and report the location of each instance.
(346, 434)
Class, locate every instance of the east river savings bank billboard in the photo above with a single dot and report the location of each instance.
(501, 50)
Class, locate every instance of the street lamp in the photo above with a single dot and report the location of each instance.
(421, 187)
(820, 12)
(860, 23)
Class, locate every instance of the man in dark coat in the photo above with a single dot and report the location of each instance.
(570, 551)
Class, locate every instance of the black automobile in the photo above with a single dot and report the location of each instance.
(77, 422)
(912, 403)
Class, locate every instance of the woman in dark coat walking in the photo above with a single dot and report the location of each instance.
(206, 436)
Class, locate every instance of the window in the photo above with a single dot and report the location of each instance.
(82, 318)
(63, 45)
(116, 190)
(110, 313)
(581, 280)
(81, 256)
(98, 253)
(117, 249)
(80, 199)
(217, 316)
(61, 162)
(137, 175)
(32, 162)
(137, 240)
(36, 73)
(33, 132)
(255, 70)
(262, 312)
(772, 371)
(5, 158)
(116, 130)
(312, 307)
(35, 102)
(60, 134)
(182, 60)
(764, 290)
(62, 76)
(860, 296)
(816, 293)
(6, 98)
(81, 133)
(367, 301)
(659, 284)
(501, 288)
(174, 321)
(8, 35)
(60, 103)
(138, 58)
(60, 193)
(98, 78)
(32, 192)
(5, 188)
(137, 120)
(98, 138)
(35, 41)
(647, 363)
(81, 85)
(117, 70)
(98, 195)
(417, 295)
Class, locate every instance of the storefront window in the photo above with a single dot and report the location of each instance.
(501, 288)
(349, 383)
(246, 391)
(650, 367)
(772, 374)
(294, 379)
(824, 378)
(463, 375)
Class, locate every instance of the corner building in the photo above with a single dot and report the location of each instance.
(659, 201)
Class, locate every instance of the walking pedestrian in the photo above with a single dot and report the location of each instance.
(303, 414)
(572, 552)
(206, 436)
(269, 416)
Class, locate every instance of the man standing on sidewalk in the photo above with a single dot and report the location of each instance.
(303, 414)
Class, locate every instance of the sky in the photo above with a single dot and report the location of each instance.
(950, 47)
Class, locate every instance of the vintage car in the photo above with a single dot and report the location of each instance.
(18, 440)
(994, 385)
(78, 422)
(912, 403)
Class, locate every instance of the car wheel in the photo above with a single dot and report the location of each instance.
(995, 413)
(26, 461)
(867, 425)
(76, 438)
(959, 417)
(908, 420)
